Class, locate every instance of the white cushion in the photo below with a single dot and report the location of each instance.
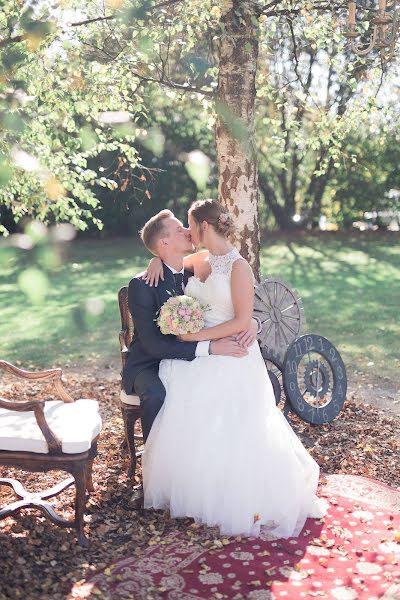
(129, 399)
(76, 424)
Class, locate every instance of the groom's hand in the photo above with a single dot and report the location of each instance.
(227, 347)
(248, 337)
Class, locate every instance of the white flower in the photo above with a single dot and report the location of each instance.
(318, 551)
(363, 515)
(344, 593)
(211, 578)
(242, 555)
(368, 568)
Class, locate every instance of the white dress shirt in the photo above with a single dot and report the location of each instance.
(202, 348)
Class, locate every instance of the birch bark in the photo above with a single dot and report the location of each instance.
(234, 132)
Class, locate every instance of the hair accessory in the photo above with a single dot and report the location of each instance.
(223, 218)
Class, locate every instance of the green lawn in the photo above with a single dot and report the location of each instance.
(350, 287)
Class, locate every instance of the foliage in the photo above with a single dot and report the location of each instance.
(187, 137)
(370, 184)
(312, 96)
(102, 107)
(63, 108)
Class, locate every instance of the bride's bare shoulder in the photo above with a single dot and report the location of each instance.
(241, 269)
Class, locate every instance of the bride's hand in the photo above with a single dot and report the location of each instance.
(154, 272)
(248, 337)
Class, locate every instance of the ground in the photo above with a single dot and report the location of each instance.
(42, 561)
(350, 285)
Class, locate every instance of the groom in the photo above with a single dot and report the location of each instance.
(165, 236)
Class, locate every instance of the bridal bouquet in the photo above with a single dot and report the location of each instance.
(181, 314)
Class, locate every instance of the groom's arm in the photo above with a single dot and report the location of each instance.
(143, 311)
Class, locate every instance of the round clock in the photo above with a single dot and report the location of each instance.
(314, 379)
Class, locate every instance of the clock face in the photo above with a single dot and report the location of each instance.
(314, 379)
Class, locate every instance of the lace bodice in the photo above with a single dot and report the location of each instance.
(222, 264)
(215, 291)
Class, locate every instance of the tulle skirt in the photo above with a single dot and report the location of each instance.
(221, 452)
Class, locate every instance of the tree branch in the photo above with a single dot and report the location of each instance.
(296, 58)
(166, 3)
(94, 20)
(295, 11)
(11, 40)
(176, 86)
(21, 38)
(262, 10)
(112, 17)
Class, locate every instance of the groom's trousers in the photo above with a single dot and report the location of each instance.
(150, 389)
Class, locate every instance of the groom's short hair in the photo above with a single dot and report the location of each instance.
(154, 229)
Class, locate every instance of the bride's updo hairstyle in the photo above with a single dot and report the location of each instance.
(213, 213)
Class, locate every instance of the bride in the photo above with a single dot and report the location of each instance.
(220, 451)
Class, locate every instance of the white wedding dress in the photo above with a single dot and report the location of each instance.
(220, 450)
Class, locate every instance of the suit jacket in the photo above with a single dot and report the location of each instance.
(149, 346)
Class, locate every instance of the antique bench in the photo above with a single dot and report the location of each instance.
(39, 436)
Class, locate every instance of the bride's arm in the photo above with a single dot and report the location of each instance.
(155, 272)
(192, 261)
(242, 286)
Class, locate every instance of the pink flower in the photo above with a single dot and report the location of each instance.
(181, 314)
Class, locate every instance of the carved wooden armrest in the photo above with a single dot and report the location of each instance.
(37, 407)
(51, 375)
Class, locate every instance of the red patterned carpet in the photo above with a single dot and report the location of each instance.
(354, 553)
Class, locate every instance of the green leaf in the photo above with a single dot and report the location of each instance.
(198, 166)
(34, 284)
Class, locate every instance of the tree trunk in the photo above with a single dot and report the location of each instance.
(282, 212)
(316, 189)
(234, 132)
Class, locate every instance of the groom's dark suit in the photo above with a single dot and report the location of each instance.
(149, 345)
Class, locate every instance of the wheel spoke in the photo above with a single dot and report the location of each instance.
(284, 337)
(291, 305)
(285, 293)
(291, 317)
(269, 297)
(290, 328)
(276, 337)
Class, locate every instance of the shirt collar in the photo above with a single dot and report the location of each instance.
(174, 271)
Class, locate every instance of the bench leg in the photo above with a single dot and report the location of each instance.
(89, 479)
(89, 467)
(80, 474)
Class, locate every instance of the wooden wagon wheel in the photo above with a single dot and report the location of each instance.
(275, 373)
(281, 313)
